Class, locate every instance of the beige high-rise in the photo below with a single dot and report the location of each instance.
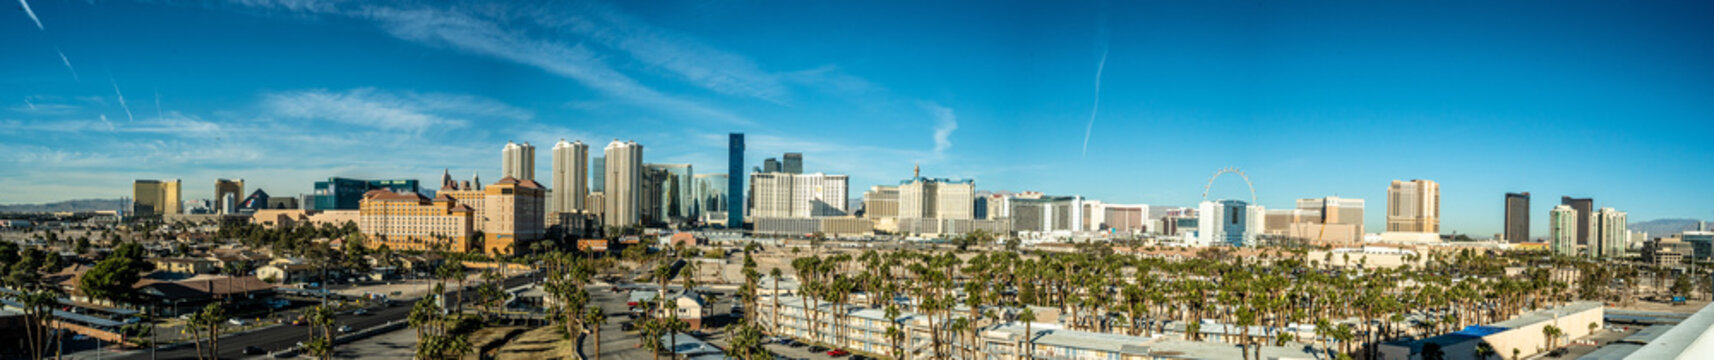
(518, 161)
(570, 176)
(624, 177)
(514, 208)
(156, 197)
(1413, 206)
(224, 188)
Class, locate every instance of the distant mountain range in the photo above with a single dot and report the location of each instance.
(1664, 227)
(69, 205)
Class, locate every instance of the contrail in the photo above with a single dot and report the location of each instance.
(67, 62)
(32, 14)
(110, 126)
(27, 102)
(122, 102)
(1099, 66)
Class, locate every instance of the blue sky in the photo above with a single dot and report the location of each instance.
(1607, 100)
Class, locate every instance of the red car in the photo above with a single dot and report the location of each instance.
(837, 353)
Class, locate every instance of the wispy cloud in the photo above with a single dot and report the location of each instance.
(480, 36)
(109, 124)
(387, 110)
(1095, 109)
(32, 14)
(944, 123)
(67, 62)
(678, 54)
(121, 96)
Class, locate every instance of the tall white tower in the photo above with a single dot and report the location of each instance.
(518, 161)
(570, 176)
(624, 177)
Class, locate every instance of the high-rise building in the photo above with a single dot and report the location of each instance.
(1229, 222)
(1562, 230)
(792, 163)
(1035, 212)
(1098, 216)
(924, 198)
(570, 174)
(156, 198)
(709, 197)
(338, 193)
(518, 161)
(784, 195)
(770, 165)
(225, 189)
(410, 221)
(624, 176)
(1585, 208)
(735, 181)
(1517, 217)
(515, 215)
(598, 174)
(672, 182)
(1413, 206)
(1327, 220)
(1611, 233)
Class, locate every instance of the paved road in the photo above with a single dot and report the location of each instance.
(285, 336)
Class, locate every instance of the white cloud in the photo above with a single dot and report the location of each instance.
(679, 54)
(122, 105)
(67, 62)
(32, 14)
(944, 123)
(389, 111)
(468, 33)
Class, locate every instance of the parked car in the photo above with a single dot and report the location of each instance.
(837, 353)
(253, 350)
(817, 348)
(286, 355)
(236, 321)
(861, 357)
(794, 343)
(627, 326)
(345, 328)
(360, 312)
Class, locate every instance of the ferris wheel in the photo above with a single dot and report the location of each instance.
(1230, 170)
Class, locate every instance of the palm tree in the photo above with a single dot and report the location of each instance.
(323, 317)
(38, 308)
(210, 318)
(1551, 333)
(651, 340)
(746, 341)
(774, 325)
(595, 318)
(1029, 318)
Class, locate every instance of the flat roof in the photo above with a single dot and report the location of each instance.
(1691, 339)
(1647, 335)
(1615, 351)
(1548, 315)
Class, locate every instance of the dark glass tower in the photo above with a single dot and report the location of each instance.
(1517, 217)
(792, 163)
(1585, 208)
(735, 182)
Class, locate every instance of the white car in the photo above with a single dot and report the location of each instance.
(236, 321)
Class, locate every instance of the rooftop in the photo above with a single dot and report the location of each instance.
(1547, 315)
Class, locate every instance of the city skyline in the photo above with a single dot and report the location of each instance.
(384, 96)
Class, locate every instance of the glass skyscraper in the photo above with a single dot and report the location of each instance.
(735, 181)
(598, 172)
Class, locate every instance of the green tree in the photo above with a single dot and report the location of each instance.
(595, 318)
(112, 278)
